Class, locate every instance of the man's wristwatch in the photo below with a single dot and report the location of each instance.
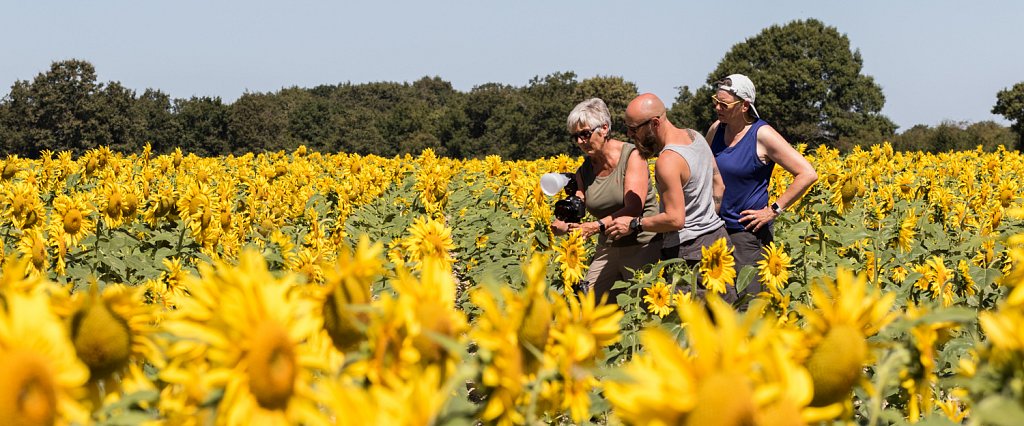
(600, 226)
(635, 225)
(776, 209)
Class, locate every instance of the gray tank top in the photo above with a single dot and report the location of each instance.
(701, 217)
(604, 195)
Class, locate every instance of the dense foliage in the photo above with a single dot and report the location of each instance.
(1010, 104)
(67, 109)
(809, 85)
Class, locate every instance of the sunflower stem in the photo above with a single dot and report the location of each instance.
(181, 239)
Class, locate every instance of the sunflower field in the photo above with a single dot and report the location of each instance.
(314, 289)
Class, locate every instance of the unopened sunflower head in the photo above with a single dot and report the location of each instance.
(113, 329)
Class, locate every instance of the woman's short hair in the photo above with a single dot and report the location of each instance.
(590, 113)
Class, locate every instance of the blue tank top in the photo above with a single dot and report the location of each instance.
(745, 175)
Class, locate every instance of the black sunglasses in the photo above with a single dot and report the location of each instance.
(585, 134)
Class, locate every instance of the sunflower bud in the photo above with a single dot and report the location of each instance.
(10, 169)
(535, 327)
(835, 364)
(343, 325)
(101, 337)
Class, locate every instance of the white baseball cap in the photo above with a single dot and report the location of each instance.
(742, 87)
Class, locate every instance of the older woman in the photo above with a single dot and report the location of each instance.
(613, 181)
(747, 150)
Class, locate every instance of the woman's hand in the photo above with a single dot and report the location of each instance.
(559, 227)
(586, 229)
(753, 220)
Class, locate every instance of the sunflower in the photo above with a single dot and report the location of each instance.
(429, 238)
(582, 328)
(774, 268)
(658, 298)
(23, 208)
(417, 399)
(308, 263)
(112, 333)
(111, 203)
(427, 306)
(250, 325)
(11, 167)
(843, 316)
(162, 206)
(920, 380)
(42, 378)
(846, 190)
(346, 290)
(174, 279)
(33, 246)
(907, 231)
(734, 370)
(198, 211)
(570, 259)
(502, 376)
(1006, 193)
(717, 267)
(72, 218)
(936, 279)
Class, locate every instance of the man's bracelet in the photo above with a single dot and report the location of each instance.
(600, 225)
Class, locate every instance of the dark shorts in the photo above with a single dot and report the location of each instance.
(749, 249)
(690, 252)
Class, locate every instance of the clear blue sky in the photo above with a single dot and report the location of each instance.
(935, 60)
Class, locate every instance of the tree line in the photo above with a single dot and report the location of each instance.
(810, 87)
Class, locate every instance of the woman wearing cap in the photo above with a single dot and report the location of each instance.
(613, 181)
(747, 149)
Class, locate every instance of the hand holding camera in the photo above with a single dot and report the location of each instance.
(570, 209)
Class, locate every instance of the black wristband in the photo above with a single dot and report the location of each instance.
(600, 225)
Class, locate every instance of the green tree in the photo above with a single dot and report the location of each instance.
(1010, 104)
(548, 101)
(809, 85)
(954, 136)
(991, 135)
(121, 130)
(258, 122)
(154, 112)
(616, 92)
(685, 110)
(492, 112)
(58, 110)
(203, 123)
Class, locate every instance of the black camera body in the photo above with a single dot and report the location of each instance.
(570, 209)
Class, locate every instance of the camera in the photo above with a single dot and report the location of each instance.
(570, 209)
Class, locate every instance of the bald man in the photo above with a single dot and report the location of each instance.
(688, 183)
